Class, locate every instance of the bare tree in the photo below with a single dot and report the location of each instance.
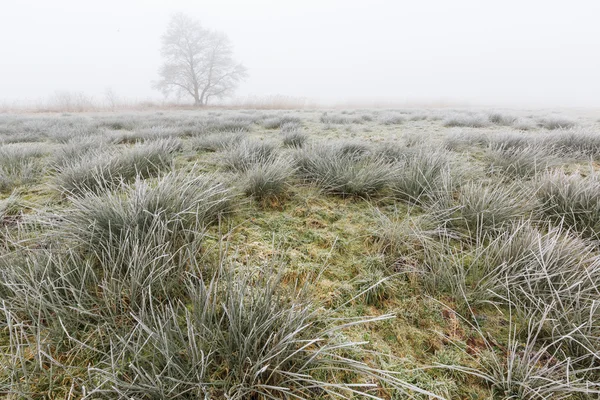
(198, 62)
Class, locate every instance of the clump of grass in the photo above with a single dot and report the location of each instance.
(375, 286)
(556, 122)
(401, 239)
(391, 119)
(292, 135)
(97, 171)
(466, 120)
(343, 168)
(76, 149)
(511, 141)
(227, 125)
(459, 141)
(486, 207)
(422, 176)
(340, 119)
(268, 180)
(247, 154)
(19, 165)
(278, 122)
(524, 124)
(574, 143)
(216, 141)
(241, 336)
(179, 201)
(550, 272)
(499, 118)
(295, 139)
(528, 369)
(522, 162)
(144, 134)
(571, 199)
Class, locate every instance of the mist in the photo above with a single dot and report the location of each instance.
(511, 53)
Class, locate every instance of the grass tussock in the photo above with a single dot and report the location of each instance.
(520, 162)
(573, 200)
(269, 179)
(216, 141)
(180, 202)
(103, 170)
(343, 168)
(422, 176)
(247, 154)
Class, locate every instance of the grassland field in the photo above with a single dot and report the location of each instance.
(242, 254)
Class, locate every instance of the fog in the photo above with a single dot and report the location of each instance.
(514, 53)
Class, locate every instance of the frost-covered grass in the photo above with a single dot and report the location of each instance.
(245, 254)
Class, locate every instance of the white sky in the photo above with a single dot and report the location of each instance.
(527, 52)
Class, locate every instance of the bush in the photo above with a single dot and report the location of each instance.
(343, 169)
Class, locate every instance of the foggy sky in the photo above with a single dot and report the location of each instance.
(528, 52)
